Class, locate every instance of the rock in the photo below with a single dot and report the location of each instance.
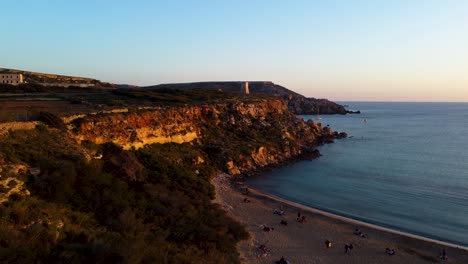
(12, 186)
(342, 135)
(34, 171)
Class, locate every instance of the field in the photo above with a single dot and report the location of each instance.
(26, 109)
(23, 103)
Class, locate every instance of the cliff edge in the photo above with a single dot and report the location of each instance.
(240, 137)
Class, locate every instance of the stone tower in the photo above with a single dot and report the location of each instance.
(245, 88)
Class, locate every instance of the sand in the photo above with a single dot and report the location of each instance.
(305, 242)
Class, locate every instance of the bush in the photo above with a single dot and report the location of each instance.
(51, 120)
(146, 205)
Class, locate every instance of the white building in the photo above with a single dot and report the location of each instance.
(11, 78)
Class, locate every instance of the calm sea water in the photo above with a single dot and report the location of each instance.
(405, 168)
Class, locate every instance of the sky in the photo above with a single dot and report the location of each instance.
(344, 50)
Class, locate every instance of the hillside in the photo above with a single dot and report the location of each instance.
(134, 187)
(54, 79)
(297, 103)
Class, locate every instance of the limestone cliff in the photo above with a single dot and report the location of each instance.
(159, 125)
(240, 137)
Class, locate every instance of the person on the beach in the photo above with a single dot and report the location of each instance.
(390, 252)
(443, 255)
(246, 200)
(328, 244)
(268, 229)
(281, 210)
(357, 232)
(348, 248)
(282, 261)
(263, 249)
(284, 222)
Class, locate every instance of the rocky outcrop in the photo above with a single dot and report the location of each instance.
(240, 137)
(5, 127)
(135, 130)
(9, 184)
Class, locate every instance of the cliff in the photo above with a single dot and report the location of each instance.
(298, 104)
(94, 188)
(240, 137)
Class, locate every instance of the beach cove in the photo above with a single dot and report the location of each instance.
(401, 175)
(403, 167)
(305, 242)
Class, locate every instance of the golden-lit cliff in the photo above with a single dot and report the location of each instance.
(239, 136)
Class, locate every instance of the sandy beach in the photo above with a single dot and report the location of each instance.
(305, 242)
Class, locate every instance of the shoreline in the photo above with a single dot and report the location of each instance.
(304, 242)
(357, 222)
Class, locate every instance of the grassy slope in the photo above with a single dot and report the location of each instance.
(130, 207)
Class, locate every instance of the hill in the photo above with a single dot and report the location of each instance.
(134, 187)
(297, 103)
(47, 79)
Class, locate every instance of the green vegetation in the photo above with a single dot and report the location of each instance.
(174, 96)
(93, 203)
(147, 206)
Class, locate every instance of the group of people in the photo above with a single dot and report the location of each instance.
(301, 218)
(282, 261)
(263, 250)
(443, 255)
(348, 248)
(328, 244)
(358, 232)
(278, 212)
(390, 251)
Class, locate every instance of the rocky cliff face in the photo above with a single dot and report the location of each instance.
(160, 125)
(9, 184)
(240, 137)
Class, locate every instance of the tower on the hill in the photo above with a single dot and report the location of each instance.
(245, 88)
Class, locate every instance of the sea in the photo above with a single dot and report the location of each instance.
(404, 166)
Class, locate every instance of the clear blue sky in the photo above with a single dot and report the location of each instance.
(343, 50)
